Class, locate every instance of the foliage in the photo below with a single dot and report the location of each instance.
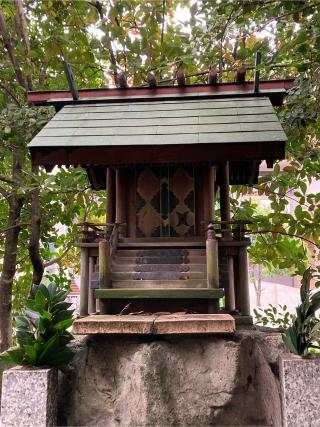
(278, 317)
(42, 332)
(100, 38)
(300, 337)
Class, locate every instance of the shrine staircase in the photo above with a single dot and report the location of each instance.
(155, 269)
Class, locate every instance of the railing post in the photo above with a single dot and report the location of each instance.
(91, 300)
(212, 265)
(104, 272)
(84, 281)
(244, 282)
(227, 235)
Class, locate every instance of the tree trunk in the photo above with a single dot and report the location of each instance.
(10, 253)
(8, 271)
(35, 232)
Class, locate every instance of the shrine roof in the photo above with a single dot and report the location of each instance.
(198, 123)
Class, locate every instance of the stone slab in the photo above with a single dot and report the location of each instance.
(300, 389)
(155, 324)
(29, 397)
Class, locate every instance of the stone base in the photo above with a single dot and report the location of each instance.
(29, 397)
(300, 389)
(173, 380)
(156, 324)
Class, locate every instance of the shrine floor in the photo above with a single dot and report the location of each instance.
(155, 324)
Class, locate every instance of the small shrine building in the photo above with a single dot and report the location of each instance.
(166, 157)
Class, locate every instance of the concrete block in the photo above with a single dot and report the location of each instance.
(29, 397)
(300, 389)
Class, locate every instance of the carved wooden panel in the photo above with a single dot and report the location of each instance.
(165, 201)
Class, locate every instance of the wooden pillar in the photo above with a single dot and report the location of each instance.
(104, 273)
(91, 299)
(84, 281)
(121, 200)
(110, 211)
(244, 282)
(212, 265)
(227, 235)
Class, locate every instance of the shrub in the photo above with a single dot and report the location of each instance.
(42, 333)
(303, 334)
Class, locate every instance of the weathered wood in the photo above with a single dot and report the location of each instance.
(244, 282)
(145, 140)
(155, 324)
(144, 154)
(241, 75)
(84, 281)
(159, 293)
(160, 284)
(212, 259)
(213, 77)
(151, 80)
(121, 200)
(104, 272)
(169, 121)
(227, 234)
(161, 129)
(159, 105)
(181, 78)
(110, 210)
(91, 299)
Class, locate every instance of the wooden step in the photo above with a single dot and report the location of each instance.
(170, 244)
(190, 293)
(155, 275)
(183, 268)
(159, 252)
(160, 284)
(157, 240)
(160, 260)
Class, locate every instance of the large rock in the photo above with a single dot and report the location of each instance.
(195, 381)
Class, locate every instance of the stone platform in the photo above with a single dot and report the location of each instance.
(173, 380)
(155, 324)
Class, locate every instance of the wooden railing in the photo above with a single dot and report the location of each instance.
(231, 235)
(106, 236)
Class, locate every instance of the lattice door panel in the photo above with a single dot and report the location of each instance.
(165, 201)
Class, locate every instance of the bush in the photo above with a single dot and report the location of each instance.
(42, 333)
(301, 337)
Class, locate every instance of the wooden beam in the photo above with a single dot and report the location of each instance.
(121, 190)
(241, 75)
(110, 210)
(104, 272)
(84, 281)
(157, 154)
(159, 293)
(151, 80)
(227, 235)
(91, 299)
(213, 77)
(244, 282)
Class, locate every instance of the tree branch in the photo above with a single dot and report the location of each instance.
(10, 51)
(283, 233)
(25, 36)
(60, 257)
(12, 95)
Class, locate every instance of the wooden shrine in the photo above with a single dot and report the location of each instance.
(166, 157)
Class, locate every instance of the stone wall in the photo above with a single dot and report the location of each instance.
(195, 381)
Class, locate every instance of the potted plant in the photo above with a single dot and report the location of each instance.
(29, 391)
(300, 369)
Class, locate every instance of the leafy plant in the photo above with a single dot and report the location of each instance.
(304, 332)
(274, 316)
(42, 333)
